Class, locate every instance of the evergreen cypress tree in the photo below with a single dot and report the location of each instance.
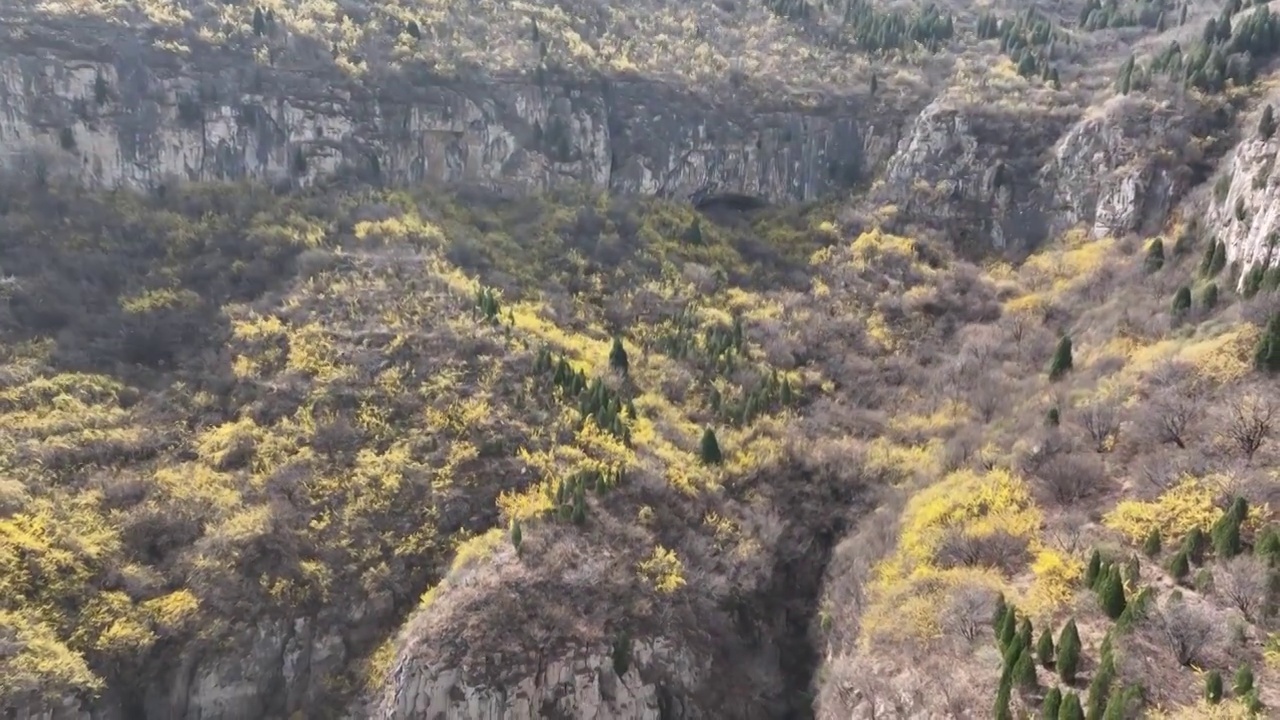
(259, 22)
(1209, 298)
(1024, 671)
(1213, 687)
(517, 536)
(1219, 260)
(1068, 652)
(1062, 362)
(1070, 708)
(1267, 123)
(1112, 594)
(1052, 703)
(1182, 300)
(1092, 570)
(1267, 355)
(1226, 538)
(1044, 648)
(1194, 544)
(1180, 565)
(1155, 256)
(1025, 632)
(1267, 546)
(1008, 631)
(1003, 694)
(1100, 688)
(997, 618)
(711, 448)
(1115, 706)
(1151, 546)
(1244, 679)
(618, 357)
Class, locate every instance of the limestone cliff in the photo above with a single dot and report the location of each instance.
(132, 115)
(1244, 206)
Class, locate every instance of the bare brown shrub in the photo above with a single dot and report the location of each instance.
(1175, 405)
(968, 611)
(1069, 477)
(1244, 580)
(1101, 422)
(999, 550)
(1188, 629)
(1250, 420)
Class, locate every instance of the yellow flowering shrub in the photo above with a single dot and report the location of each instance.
(1186, 505)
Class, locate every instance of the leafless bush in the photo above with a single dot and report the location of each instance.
(1160, 470)
(988, 396)
(1048, 445)
(998, 550)
(1170, 415)
(1244, 580)
(1250, 421)
(1070, 477)
(1187, 629)
(1101, 422)
(1067, 532)
(968, 611)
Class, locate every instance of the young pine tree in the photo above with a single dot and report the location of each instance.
(1151, 546)
(711, 448)
(1209, 298)
(1001, 710)
(1052, 704)
(1008, 630)
(1181, 301)
(1070, 708)
(1100, 688)
(1044, 648)
(1213, 687)
(1068, 661)
(1025, 632)
(1112, 594)
(517, 536)
(1155, 256)
(997, 618)
(1266, 357)
(1243, 681)
(1093, 569)
(618, 357)
(1062, 362)
(1267, 123)
(1024, 671)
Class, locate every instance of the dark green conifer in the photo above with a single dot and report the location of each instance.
(1243, 681)
(1267, 123)
(1182, 301)
(517, 536)
(1213, 687)
(1062, 361)
(1151, 546)
(711, 448)
(1209, 298)
(1155, 256)
(1266, 356)
(1008, 630)
(1052, 703)
(1112, 594)
(1093, 569)
(1025, 632)
(1044, 648)
(618, 357)
(1070, 708)
(1068, 661)
(259, 22)
(1024, 671)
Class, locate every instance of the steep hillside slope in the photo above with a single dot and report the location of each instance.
(519, 439)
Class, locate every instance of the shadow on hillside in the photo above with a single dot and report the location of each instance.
(132, 286)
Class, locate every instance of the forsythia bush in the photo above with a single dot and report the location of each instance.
(1187, 505)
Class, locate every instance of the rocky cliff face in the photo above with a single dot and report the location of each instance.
(132, 117)
(587, 685)
(1244, 207)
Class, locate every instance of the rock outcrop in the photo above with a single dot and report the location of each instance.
(133, 115)
(587, 685)
(1244, 206)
